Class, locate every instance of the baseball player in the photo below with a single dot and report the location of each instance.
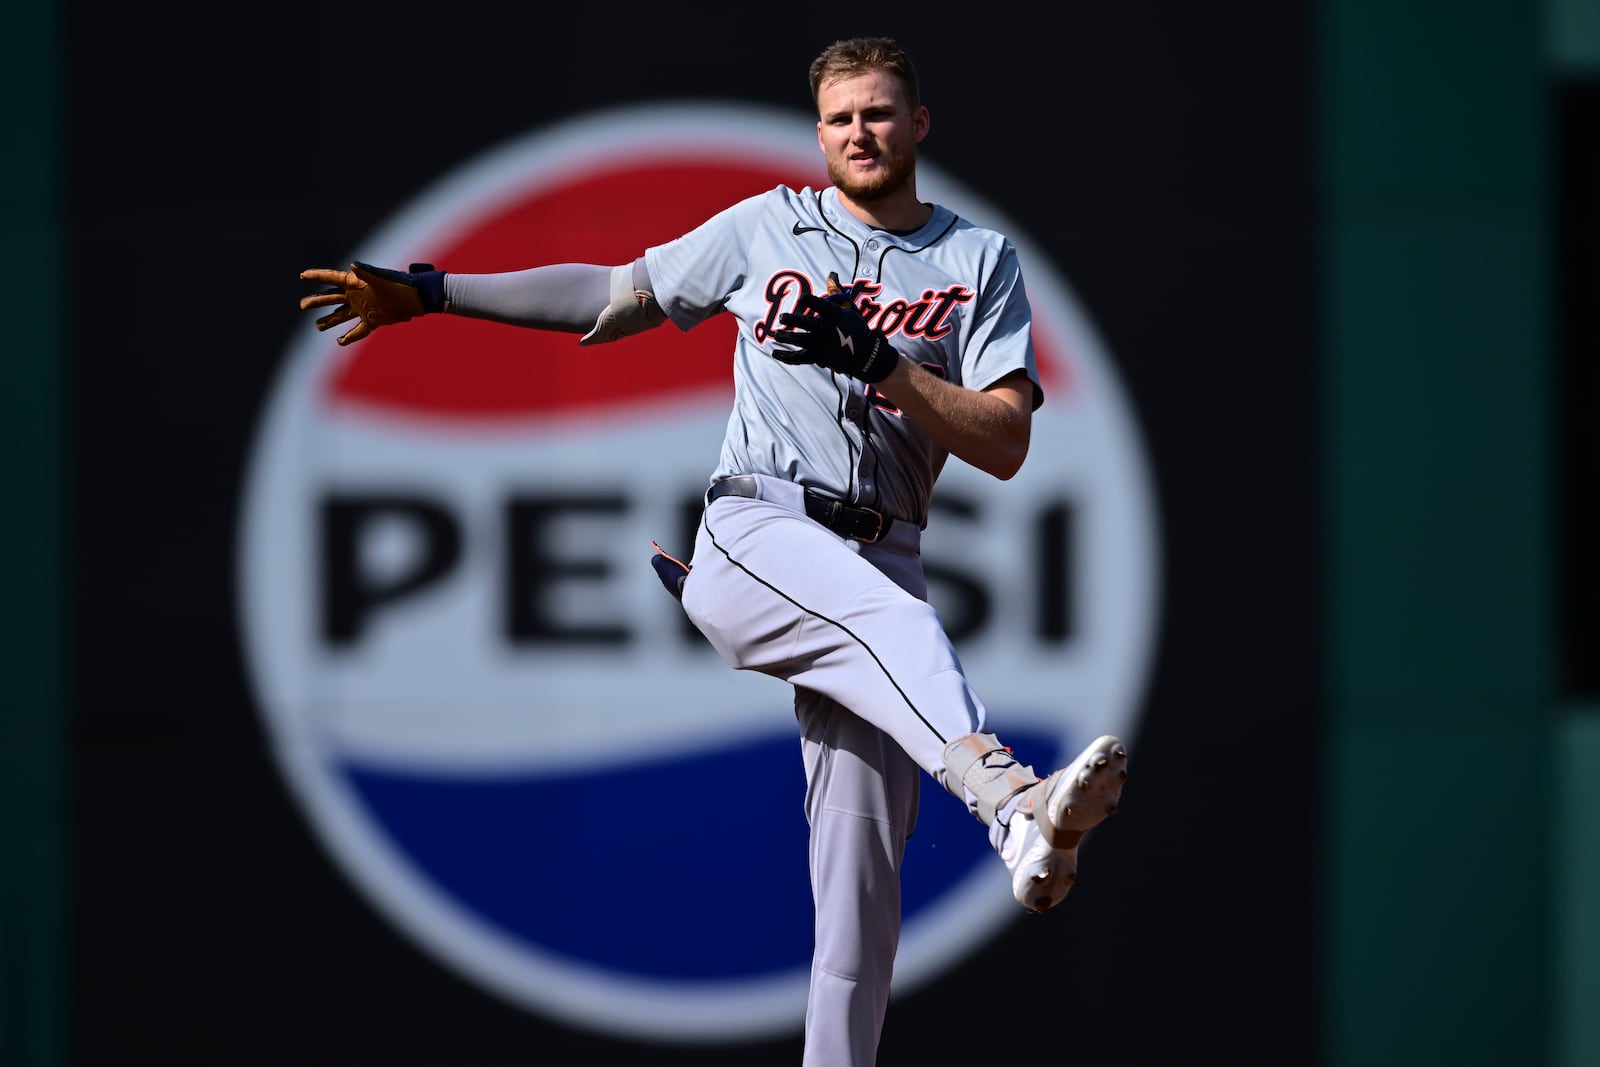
(849, 396)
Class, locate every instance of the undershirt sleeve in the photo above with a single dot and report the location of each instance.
(563, 296)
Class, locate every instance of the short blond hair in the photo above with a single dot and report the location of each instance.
(864, 55)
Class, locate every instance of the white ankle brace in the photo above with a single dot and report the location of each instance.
(987, 772)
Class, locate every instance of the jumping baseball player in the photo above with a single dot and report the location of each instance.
(848, 399)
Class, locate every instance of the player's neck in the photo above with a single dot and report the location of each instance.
(900, 213)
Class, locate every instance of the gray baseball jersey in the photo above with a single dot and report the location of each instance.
(949, 296)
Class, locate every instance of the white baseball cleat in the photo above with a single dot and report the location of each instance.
(1041, 845)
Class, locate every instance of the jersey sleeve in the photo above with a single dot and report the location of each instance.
(693, 275)
(1002, 339)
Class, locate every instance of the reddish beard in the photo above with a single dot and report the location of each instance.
(895, 170)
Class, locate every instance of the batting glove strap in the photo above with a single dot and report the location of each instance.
(430, 284)
(879, 360)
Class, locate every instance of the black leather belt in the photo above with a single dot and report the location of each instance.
(861, 524)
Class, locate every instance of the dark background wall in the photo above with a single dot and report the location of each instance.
(1162, 155)
(1343, 256)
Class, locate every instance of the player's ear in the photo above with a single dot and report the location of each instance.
(920, 122)
(820, 146)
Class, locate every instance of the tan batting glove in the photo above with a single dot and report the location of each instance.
(376, 296)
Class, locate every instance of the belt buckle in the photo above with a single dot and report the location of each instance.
(880, 527)
(846, 520)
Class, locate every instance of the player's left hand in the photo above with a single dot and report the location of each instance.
(375, 295)
(829, 331)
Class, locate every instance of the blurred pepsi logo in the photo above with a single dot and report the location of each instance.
(499, 725)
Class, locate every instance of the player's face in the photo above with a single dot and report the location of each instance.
(869, 136)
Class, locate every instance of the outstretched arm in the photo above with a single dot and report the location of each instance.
(602, 303)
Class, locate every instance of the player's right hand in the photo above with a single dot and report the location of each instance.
(376, 296)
